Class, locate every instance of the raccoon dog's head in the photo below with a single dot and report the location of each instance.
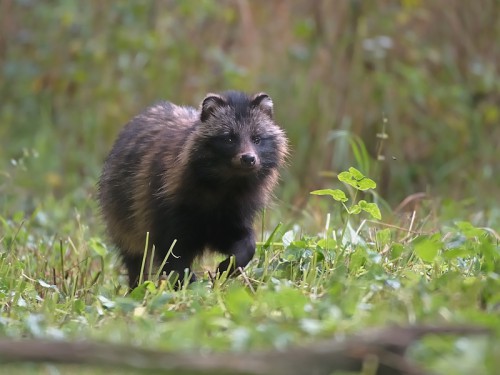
(237, 136)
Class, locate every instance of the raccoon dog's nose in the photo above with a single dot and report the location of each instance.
(248, 160)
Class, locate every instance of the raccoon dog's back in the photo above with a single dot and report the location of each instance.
(195, 176)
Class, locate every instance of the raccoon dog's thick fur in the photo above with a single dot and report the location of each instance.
(195, 176)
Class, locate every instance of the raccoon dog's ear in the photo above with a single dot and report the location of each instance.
(263, 102)
(210, 104)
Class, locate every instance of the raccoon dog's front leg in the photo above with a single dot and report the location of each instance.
(243, 251)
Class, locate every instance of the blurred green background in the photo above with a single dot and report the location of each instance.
(406, 91)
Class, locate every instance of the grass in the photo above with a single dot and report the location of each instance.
(60, 280)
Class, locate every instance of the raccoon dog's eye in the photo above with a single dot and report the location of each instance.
(256, 139)
(228, 138)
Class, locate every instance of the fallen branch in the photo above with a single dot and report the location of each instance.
(386, 346)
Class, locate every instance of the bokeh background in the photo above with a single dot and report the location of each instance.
(406, 91)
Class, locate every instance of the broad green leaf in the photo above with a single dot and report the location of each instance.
(322, 192)
(347, 178)
(358, 259)
(371, 208)
(427, 248)
(140, 291)
(339, 195)
(336, 194)
(78, 306)
(356, 179)
(396, 250)
(366, 183)
(327, 243)
(383, 236)
(356, 174)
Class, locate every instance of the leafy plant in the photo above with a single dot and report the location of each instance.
(358, 182)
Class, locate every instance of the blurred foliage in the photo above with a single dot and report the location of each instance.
(413, 82)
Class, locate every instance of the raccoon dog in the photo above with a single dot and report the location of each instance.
(195, 176)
